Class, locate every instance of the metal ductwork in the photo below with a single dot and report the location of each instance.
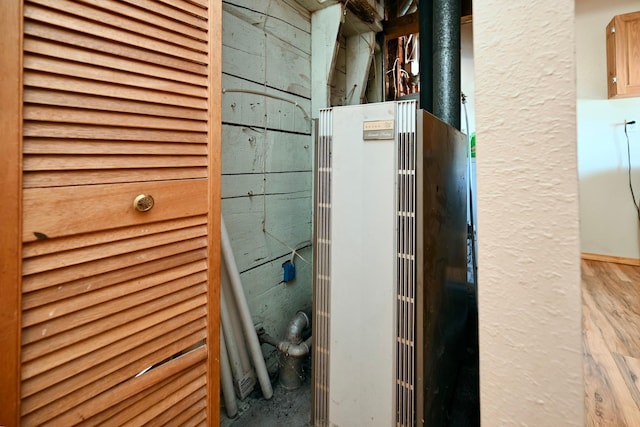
(440, 59)
(292, 349)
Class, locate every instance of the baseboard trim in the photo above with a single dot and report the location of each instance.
(609, 258)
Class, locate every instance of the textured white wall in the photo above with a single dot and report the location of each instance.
(608, 220)
(529, 290)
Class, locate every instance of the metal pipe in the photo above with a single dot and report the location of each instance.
(446, 61)
(245, 314)
(296, 326)
(291, 358)
(268, 339)
(226, 380)
(295, 350)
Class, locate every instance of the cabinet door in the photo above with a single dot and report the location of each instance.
(119, 301)
(623, 55)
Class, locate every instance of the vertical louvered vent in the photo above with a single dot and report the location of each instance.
(406, 263)
(322, 283)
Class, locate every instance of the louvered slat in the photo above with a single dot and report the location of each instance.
(182, 370)
(66, 394)
(71, 84)
(48, 246)
(42, 30)
(144, 287)
(42, 338)
(62, 146)
(74, 288)
(182, 411)
(155, 19)
(76, 100)
(118, 397)
(45, 355)
(167, 399)
(114, 264)
(106, 62)
(170, 12)
(86, 19)
(80, 162)
(57, 179)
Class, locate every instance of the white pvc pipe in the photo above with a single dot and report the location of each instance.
(245, 314)
(236, 326)
(226, 380)
(230, 338)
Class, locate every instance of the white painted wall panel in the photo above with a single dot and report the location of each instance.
(608, 220)
(529, 251)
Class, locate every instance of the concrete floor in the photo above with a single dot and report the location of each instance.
(293, 408)
(284, 409)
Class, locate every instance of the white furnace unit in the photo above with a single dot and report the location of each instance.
(389, 265)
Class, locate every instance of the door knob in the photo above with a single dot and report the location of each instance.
(143, 202)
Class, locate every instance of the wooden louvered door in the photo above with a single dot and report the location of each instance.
(120, 306)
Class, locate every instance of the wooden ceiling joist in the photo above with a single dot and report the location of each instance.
(402, 26)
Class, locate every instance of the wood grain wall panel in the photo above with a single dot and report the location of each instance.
(116, 303)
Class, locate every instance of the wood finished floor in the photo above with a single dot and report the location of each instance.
(611, 334)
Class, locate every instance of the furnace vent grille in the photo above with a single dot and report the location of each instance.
(322, 273)
(405, 264)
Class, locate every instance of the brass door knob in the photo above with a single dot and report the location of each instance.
(143, 202)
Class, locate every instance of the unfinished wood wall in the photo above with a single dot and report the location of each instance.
(267, 152)
(339, 93)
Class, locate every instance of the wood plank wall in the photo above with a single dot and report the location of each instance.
(339, 93)
(267, 153)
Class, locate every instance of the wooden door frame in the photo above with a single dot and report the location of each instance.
(10, 208)
(215, 174)
(11, 96)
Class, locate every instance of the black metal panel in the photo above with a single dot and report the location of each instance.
(442, 293)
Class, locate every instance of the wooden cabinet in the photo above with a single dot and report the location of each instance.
(623, 55)
(109, 240)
